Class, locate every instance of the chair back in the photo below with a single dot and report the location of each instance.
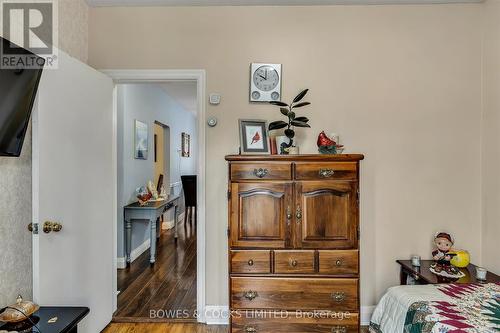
(189, 189)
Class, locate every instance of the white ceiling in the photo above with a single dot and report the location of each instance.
(183, 92)
(95, 3)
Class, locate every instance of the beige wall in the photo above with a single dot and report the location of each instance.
(491, 136)
(400, 84)
(73, 28)
(15, 175)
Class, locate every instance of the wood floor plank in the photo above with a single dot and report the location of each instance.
(172, 328)
(165, 285)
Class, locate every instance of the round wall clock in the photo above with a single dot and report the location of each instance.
(265, 82)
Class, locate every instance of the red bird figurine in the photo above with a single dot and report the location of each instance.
(327, 145)
(256, 138)
(323, 140)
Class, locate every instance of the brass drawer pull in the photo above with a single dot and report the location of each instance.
(250, 329)
(339, 296)
(338, 263)
(293, 263)
(326, 173)
(261, 173)
(250, 295)
(298, 214)
(288, 213)
(339, 329)
(250, 262)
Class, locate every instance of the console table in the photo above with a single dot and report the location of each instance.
(149, 212)
(423, 275)
(46, 322)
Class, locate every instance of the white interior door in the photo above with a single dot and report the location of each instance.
(74, 184)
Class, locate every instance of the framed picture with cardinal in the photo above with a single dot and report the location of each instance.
(253, 137)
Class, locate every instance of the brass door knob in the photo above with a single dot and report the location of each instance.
(30, 227)
(293, 263)
(51, 226)
(250, 262)
(338, 263)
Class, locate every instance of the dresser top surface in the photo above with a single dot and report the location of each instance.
(298, 158)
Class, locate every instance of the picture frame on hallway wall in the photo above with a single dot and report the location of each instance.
(254, 138)
(186, 145)
(141, 144)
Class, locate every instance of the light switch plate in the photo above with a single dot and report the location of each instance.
(215, 99)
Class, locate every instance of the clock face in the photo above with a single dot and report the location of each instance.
(266, 78)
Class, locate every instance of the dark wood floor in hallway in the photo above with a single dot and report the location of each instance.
(168, 285)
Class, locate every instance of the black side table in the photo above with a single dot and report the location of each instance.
(67, 320)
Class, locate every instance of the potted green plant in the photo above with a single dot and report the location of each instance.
(293, 121)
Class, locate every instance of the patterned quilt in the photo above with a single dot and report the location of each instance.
(444, 308)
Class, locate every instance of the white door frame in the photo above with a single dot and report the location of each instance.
(158, 76)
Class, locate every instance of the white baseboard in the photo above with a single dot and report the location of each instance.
(167, 225)
(366, 314)
(121, 262)
(217, 314)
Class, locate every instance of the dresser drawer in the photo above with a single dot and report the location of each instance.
(338, 262)
(251, 262)
(294, 262)
(294, 322)
(264, 171)
(324, 170)
(294, 293)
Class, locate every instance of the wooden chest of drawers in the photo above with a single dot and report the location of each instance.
(294, 243)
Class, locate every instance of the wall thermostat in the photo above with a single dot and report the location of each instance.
(214, 99)
(212, 121)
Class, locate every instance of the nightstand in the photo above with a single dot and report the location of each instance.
(423, 275)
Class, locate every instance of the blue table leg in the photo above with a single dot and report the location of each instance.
(152, 237)
(128, 239)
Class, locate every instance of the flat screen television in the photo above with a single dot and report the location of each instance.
(18, 89)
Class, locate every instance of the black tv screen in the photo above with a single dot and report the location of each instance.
(18, 87)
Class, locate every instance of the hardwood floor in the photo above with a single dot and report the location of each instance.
(172, 328)
(163, 291)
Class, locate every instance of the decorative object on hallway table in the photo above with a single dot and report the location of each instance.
(186, 145)
(293, 120)
(442, 256)
(143, 195)
(141, 140)
(253, 136)
(152, 189)
(265, 82)
(329, 145)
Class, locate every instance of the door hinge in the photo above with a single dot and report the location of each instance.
(357, 195)
(228, 194)
(228, 232)
(358, 232)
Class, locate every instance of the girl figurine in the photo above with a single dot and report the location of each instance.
(443, 242)
(442, 256)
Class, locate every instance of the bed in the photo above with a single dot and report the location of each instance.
(438, 308)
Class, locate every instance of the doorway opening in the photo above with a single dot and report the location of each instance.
(158, 135)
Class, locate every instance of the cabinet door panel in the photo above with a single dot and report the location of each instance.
(259, 214)
(329, 214)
